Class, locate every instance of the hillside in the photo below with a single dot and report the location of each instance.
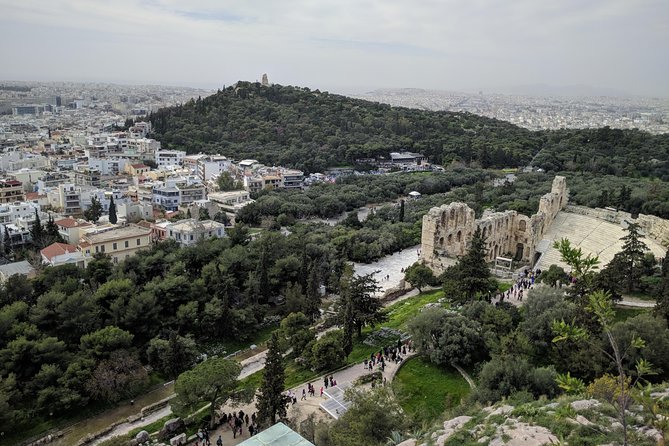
(313, 130)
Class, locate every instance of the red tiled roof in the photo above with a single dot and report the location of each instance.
(57, 249)
(33, 195)
(139, 166)
(71, 223)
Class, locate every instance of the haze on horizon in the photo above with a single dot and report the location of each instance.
(343, 44)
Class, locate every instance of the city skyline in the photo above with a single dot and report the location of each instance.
(341, 46)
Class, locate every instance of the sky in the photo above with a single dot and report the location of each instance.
(459, 45)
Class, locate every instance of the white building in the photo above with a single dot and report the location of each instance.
(62, 254)
(165, 158)
(189, 232)
(212, 166)
(134, 211)
(108, 166)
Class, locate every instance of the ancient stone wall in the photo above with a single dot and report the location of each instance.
(448, 230)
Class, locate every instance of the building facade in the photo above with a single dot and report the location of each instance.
(119, 243)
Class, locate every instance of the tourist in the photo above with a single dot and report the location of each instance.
(219, 442)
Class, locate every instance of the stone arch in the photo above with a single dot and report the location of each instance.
(519, 251)
(443, 219)
(522, 225)
(441, 242)
(450, 238)
(458, 237)
(494, 252)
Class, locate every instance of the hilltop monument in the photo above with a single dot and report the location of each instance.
(265, 81)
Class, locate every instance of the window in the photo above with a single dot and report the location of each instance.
(139, 242)
(96, 249)
(115, 260)
(102, 248)
(114, 246)
(127, 244)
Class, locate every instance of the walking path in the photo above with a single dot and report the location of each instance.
(301, 410)
(629, 301)
(465, 375)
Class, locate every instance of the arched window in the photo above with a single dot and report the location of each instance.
(441, 242)
(458, 237)
(522, 226)
(450, 238)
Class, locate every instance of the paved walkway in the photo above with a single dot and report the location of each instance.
(302, 409)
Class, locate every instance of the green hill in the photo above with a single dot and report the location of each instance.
(313, 130)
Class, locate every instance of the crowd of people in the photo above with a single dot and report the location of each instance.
(394, 353)
(525, 281)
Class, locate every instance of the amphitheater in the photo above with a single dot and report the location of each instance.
(447, 232)
(592, 234)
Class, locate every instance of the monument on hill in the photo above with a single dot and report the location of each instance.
(265, 81)
(448, 229)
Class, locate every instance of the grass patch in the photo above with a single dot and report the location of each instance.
(426, 390)
(401, 312)
(398, 315)
(624, 313)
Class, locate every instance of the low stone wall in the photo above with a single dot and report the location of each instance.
(654, 227)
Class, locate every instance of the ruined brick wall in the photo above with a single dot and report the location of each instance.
(447, 230)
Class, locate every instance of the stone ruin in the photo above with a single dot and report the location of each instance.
(448, 230)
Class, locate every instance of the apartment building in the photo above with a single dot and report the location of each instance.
(69, 199)
(166, 158)
(19, 210)
(209, 167)
(119, 243)
(175, 192)
(87, 177)
(11, 191)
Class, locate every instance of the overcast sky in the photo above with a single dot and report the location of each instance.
(341, 44)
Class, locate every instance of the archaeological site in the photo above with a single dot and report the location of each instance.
(448, 230)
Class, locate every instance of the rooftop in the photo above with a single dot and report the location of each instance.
(22, 267)
(119, 233)
(192, 224)
(277, 435)
(57, 249)
(72, 223)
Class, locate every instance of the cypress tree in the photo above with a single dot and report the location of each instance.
(37, 231)
(401, 211)
(271, 400)
(112, 211)
(632, 255)
(7, 242)
(51, 231)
